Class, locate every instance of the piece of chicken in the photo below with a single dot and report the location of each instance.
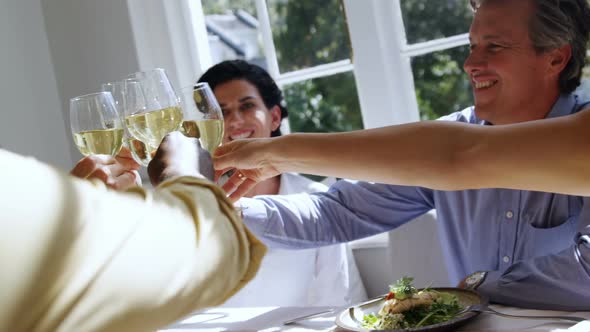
(395, 306)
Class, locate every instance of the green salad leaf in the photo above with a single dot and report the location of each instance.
(403, 288)
(370, 321)
(443, 309)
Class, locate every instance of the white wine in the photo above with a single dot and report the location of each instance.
(151, 127)
(141, 152)
(209, 132)
(103, 141)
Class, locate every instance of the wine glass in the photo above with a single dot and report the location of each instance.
(203, 118)
(96, 124)
(127, 94)
(159, 114)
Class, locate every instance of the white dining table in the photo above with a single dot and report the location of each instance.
(270, 319)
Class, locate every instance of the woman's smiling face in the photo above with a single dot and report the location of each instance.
(244, 113)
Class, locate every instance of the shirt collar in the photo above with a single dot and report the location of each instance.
(564, 105)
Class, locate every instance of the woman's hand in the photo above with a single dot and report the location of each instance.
(119, 172)
(251, 161)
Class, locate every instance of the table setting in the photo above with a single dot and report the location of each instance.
(274, 318)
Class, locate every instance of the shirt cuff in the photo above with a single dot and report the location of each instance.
(490, 285)
(254, 215)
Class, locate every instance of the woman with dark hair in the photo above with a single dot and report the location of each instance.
(252, 106)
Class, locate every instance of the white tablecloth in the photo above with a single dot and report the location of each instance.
(270, 319)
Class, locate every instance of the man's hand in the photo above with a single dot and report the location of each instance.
(248, 158)
(179, 155)
(119, 172)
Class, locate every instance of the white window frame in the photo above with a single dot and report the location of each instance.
(383, 70)
(172, 34)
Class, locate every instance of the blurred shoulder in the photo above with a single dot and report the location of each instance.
(293, 183)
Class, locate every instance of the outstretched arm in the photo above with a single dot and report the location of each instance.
(546, 155)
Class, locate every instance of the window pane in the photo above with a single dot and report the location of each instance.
(441, 85)
(308, 32)
(427, 19)
(232, 29)
(324, 104)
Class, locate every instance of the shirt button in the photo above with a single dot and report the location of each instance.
(509, 214)
(506, 259)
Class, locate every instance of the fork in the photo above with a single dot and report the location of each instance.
(485, 308)
(313, 315)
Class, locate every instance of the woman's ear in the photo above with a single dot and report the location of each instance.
(275, 113)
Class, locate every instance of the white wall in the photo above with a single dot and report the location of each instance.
(51, 51)
(413, 250)
(91, 42)
(31, 121)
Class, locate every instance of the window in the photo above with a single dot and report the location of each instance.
(306, 48)
(424, 22)
(440, 82)
(323, 104)
(441, 85)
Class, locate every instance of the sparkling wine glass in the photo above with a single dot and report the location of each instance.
(96, 124)
(160, 113)
(128, 94)
(203, 117)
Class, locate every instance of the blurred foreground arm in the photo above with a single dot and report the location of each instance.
(78, 257)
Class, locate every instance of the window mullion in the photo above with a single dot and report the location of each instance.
(267, 40)
(198, 38)
(383, 74)
(318, 71)
(435, 45)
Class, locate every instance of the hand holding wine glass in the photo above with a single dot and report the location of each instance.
(98, 132)
(118, 172)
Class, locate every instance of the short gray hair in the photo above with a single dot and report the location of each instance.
(555, 24)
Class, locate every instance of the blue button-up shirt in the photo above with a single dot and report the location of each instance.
(534, 244)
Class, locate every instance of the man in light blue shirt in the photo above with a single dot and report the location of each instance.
(522, 248)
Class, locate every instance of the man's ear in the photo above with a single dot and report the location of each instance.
(275, 113)
(559, 58)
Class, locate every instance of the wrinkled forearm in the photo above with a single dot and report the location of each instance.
(410, 154)
(447, 155)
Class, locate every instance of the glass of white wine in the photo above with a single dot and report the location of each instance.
(128, 94)
(96, 124)
(203, 118)
(160, 114)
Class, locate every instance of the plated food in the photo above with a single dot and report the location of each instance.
(406, 307)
